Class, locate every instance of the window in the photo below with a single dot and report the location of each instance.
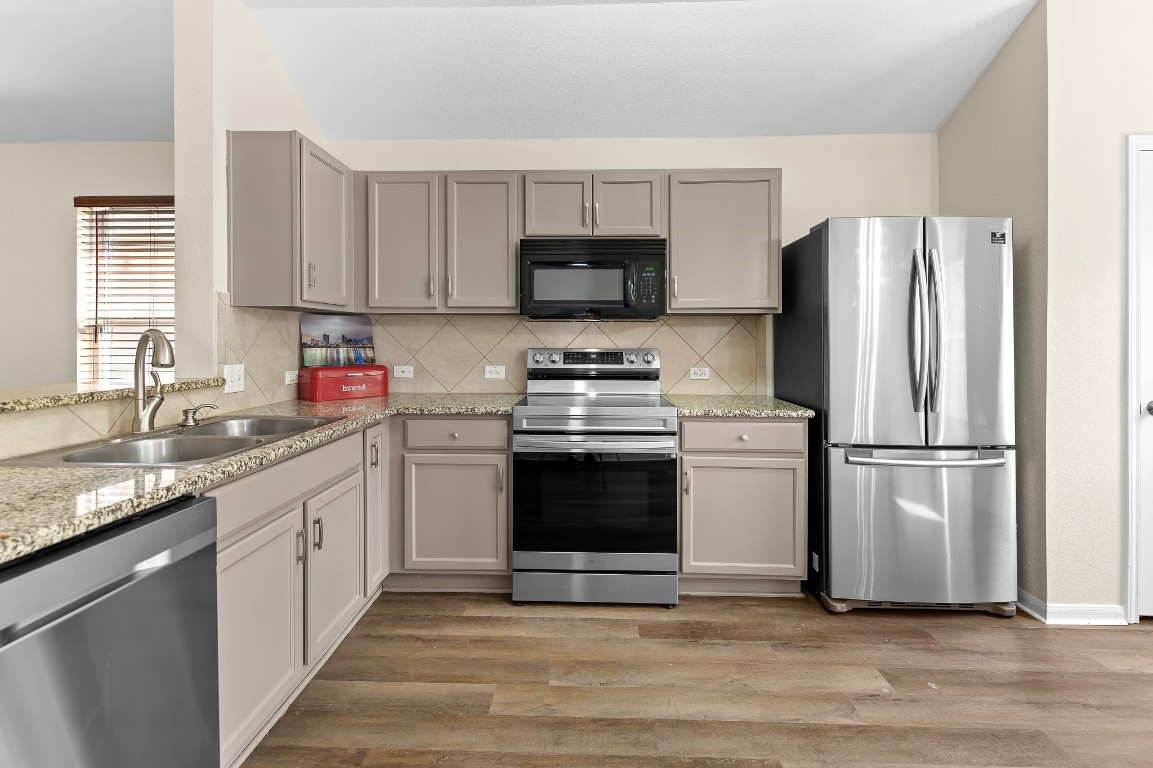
(126, 280)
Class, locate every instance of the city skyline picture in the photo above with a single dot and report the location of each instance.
(336, 340)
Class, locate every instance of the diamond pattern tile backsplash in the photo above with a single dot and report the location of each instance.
(448, 353)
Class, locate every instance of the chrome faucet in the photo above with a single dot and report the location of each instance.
(145, 407)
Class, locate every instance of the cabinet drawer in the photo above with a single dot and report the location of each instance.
(737, 435)
(456, 433)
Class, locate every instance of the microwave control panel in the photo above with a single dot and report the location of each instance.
(649, 285)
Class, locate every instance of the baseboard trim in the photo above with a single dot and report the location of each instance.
(1071, 613)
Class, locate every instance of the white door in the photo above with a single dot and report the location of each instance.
(1141, 372)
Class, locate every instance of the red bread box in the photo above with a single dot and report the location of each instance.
(342, 382)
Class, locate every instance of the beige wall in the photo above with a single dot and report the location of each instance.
(226, 78)
(1100, 65)
(38, 242)
(993, 161)
(823, 176)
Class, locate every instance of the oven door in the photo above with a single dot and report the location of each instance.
(595, 503)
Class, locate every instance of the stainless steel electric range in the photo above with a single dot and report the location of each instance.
(594, 480)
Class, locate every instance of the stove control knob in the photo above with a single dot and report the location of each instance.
(554, 358)
(648, 358)
(631, 358)
(538, 358)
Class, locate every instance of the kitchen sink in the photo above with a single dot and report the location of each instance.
(258, 426)
(177, 446)
(163, 450)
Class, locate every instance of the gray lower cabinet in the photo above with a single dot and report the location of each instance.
(743, 512)
(290, 556)
(404, 240)
(598, 203)
(290, 223)
(260, 609)
(481, 240)
(375, 506)
(456, 512)
(335, 563)
(724, 241)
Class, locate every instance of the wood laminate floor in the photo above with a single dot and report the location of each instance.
(471, 681)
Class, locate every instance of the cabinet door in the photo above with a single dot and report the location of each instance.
(743, 516)
(335, 561)
(724, 240)
(627, 204)
(260, 609)
(455, 512)
(558, 204)
(481, 240)
(375, 506)
(325, 228)
(403, 240)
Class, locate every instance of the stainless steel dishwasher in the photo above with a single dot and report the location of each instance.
(108, 648)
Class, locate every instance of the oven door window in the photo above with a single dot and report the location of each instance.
(602, 285)
(594, 502)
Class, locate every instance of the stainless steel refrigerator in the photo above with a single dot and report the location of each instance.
(898, 332)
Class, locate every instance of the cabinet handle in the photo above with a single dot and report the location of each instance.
(675, 287)
(318, 533)
(500, 479)
(375, 455)
(597, 214)
(300, 547)
(432, 285)
(688, 481)
(455, 435)
(744, 438)
(450, 285)
(585, 218)
(311, 275)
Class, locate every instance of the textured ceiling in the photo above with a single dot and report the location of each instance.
(492, 69)
(85, 70)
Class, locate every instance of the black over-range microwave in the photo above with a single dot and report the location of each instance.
(593, 278)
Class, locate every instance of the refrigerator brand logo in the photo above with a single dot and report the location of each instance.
(352, 387)
(998, 238)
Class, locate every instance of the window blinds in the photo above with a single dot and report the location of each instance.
(126, 280)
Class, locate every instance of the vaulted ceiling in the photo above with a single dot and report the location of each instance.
(78, 69)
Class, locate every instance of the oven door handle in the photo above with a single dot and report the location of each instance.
(596, 446)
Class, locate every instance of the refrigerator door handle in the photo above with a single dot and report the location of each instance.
(919, 358)
(866, 459)
(936, 317)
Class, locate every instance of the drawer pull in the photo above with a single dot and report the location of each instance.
(744, 438)
(455, 435)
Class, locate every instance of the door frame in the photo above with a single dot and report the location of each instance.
(1133, 412)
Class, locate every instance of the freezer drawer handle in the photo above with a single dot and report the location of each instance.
(870, 461)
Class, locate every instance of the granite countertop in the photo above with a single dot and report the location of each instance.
(52, 395)
(43, 506)
(738, 407)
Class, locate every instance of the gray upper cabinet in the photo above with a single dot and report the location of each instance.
(558, 204)
(481, 237)
(601, 203)
(404, 226)
(724, 241)
(290, 223)
(627, 204)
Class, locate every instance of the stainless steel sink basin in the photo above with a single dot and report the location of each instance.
(178, 446)
(166, 450)
(258, 426)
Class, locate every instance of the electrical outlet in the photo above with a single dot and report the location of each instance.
(698, 373)
(494, 371)
(291, 377)
(402, 372)
(233, 378)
